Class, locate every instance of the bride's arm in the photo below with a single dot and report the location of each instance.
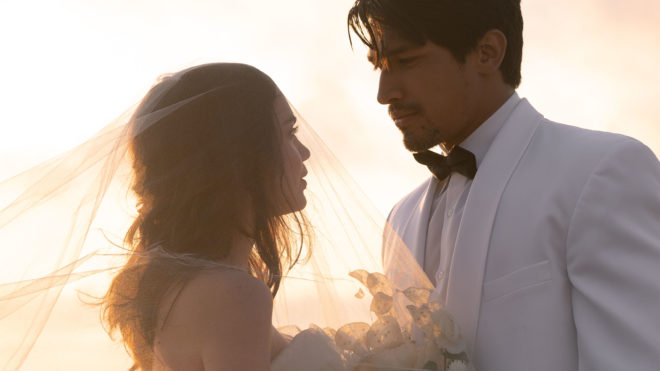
(230, 314)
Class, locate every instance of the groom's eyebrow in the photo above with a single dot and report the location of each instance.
(386, 52)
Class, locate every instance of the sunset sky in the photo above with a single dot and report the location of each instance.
(72, 66)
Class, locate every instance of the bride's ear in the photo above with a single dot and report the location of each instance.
(490, 52)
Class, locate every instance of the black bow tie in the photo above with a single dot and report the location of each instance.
(459, 160)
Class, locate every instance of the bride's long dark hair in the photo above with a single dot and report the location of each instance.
(199, 172)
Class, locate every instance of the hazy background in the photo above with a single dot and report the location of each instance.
(70, 66)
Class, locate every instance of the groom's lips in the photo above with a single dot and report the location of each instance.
(401, 118)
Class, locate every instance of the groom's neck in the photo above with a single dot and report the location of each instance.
(485, 107)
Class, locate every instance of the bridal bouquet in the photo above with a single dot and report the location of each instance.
(433, 343)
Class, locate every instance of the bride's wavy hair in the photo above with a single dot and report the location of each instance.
(199, 172)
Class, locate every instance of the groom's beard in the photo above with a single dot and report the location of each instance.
(419, 134)
(424, 137)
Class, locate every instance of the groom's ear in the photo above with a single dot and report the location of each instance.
(490, 52)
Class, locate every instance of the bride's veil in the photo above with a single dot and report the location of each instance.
(62, 223)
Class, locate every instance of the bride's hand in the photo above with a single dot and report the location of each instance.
(278, 343)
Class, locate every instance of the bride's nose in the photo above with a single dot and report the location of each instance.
(304, 151)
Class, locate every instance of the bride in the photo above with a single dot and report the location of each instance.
(214, 179)
(220, 267)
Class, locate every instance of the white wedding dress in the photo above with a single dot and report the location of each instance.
(310, 349)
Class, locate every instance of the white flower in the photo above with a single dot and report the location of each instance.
(457, 366)
(403, 356)
(383, 343)
(351, 337)
(446, 334)
(384, 334)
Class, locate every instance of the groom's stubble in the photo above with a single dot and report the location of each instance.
(416, 137)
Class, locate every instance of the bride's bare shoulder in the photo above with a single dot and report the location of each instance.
(216, 295)
(213, 319)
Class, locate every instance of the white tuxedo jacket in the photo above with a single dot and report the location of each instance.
(557, 260)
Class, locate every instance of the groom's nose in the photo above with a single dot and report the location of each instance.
(389, 88)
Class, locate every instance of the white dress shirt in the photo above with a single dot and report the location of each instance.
(450, 197)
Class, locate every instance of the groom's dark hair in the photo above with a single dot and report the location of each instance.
(457, 25)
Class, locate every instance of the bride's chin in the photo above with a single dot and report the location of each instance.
(298, 205)
(302, 202)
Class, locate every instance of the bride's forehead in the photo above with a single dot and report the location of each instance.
(283, 110)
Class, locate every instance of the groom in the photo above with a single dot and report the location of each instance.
(542, 239)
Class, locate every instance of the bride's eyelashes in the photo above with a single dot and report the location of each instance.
(293, 131)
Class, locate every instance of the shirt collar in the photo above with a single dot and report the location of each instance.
(480, 140)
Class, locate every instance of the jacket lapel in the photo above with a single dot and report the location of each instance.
(408, 222)
(467, 273)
